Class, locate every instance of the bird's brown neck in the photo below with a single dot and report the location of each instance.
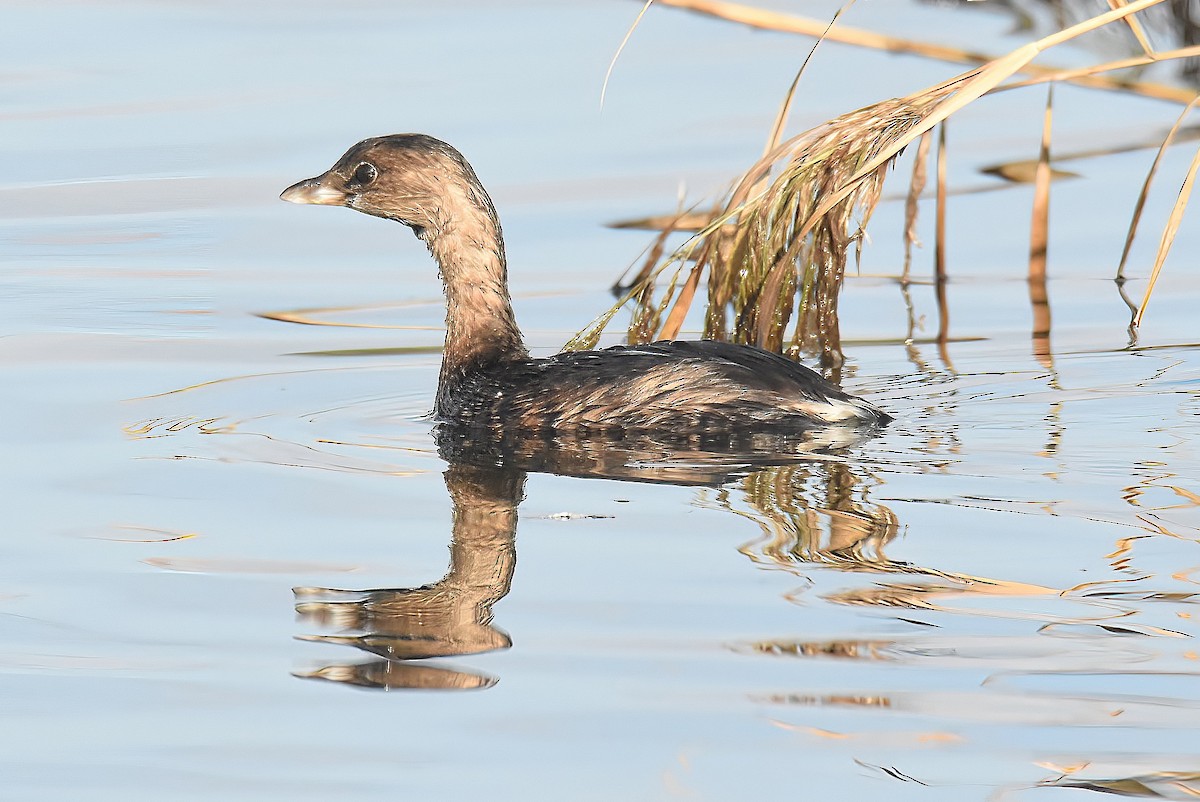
(481, 330)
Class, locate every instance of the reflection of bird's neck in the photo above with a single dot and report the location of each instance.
(482, 552)
(468, 245)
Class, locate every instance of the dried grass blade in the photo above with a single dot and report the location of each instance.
(670, 329)
(771, 309)
(939, 247)
(974, 85)
(787, 23)
(589, 336)
(653, 255)
(1159, 91)
(1168, 237)
(1039, 234)
(686, 221)
(912, 203)
(1141, 201)
(1135, 27)
(786, 106)
(1039, 229)
(628, 34)
(1094, 23)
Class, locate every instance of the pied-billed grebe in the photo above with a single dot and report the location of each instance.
(487, 376)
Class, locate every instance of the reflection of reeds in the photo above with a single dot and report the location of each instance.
(775, 250)
(818, 513)
(1155, 785)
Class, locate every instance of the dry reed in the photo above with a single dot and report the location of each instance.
(776, 249)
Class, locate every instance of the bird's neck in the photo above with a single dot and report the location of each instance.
(481, 330)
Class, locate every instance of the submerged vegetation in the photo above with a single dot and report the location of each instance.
(774, 250)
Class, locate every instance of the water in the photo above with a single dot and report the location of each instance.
(993, 600)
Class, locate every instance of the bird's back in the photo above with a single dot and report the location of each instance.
(693, 386)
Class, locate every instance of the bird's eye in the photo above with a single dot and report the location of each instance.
(364, 174)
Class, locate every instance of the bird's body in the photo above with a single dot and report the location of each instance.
(697, 386)
(488, 378)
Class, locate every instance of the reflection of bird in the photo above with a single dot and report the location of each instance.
(450, 617)
(488, 377)
(667, 457)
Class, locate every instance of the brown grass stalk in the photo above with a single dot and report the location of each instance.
(785, 107)
(1039, 236)
(1039, 229)
(788, 23)
(1168, 236)
(1141, 201)
(970, 87)
(1135, 27)
(916, 186)
(1178, 94)
(621, 47)
(939, 243)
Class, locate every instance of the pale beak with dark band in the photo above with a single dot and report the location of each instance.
(315, 191)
